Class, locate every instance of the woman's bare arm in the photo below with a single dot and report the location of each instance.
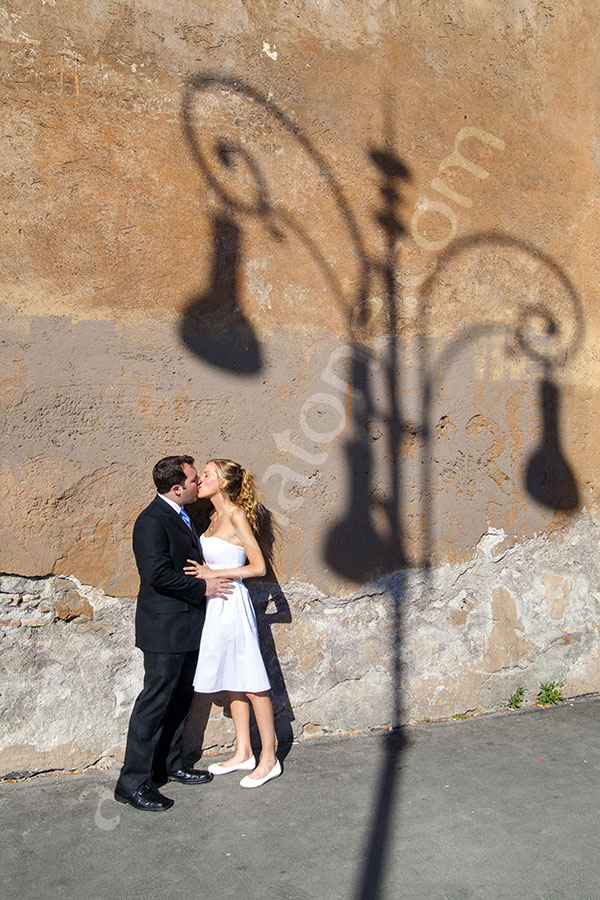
(255, 565)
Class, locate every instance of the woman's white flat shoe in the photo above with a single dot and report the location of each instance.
(248, 782)
(218, 769)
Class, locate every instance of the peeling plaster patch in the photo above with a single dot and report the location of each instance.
(505, 647)
(302, 635)
(310, 731)
(557, 590)
(458, 617)
(272, 54)
(6, 33)
(489, 540)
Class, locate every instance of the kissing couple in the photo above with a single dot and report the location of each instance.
(196, 627)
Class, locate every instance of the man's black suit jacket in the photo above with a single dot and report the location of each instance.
(170, 605)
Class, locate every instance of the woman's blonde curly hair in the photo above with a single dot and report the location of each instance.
(240, 488)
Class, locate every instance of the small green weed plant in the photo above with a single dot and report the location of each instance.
(550, 693)
(515, 701)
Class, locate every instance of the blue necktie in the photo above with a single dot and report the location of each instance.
(186, 518)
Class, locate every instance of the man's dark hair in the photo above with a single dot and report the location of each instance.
(169, 471)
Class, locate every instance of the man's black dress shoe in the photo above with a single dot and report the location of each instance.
(190, 776)
(145, 797)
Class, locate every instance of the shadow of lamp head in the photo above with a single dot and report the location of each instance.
(357, 551)
(548, 476)
(213, 325)
(366, 542)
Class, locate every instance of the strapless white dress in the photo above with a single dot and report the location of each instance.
(229, 657)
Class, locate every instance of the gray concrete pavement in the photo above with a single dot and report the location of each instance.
(492, 808)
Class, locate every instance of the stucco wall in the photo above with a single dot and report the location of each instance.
(355, 246)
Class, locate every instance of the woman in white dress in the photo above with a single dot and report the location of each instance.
(229, 658)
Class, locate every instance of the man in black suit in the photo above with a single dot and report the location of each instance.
(168, 626)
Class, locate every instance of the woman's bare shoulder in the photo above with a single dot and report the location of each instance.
(238, 516)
